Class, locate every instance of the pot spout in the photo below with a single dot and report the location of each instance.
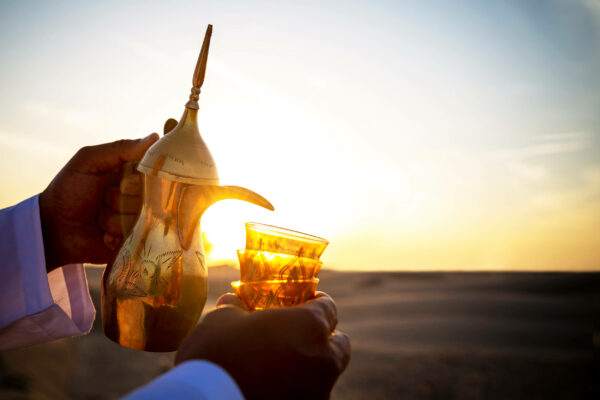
(196, 199)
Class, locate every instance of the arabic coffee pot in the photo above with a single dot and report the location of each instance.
(156, 288)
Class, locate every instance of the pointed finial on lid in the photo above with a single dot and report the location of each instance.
(182, 155)
(200, 71)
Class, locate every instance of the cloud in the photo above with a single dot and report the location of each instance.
(586, 193)
(526, 161)
(547, 145)
(562, 137)
(527, 170)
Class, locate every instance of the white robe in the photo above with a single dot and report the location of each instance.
(37, 307)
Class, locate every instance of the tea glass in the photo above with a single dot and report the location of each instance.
(278, 267)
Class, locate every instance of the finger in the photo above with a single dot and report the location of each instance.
(131, 184)
(222, 315)
(130, 167)
(319, 293)
(339, 343)
(108, 156)
(122, 203)
(112, 242)
(324, 306)
(229, 299)
(114, 223)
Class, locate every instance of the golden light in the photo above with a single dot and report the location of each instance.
(430, 146)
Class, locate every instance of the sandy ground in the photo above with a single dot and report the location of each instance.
(414, 335)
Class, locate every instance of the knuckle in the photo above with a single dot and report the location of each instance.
(322, 330)
(307, 317)
(210, 317)
(221, 316)
(84, 151)
(313, 324)
(120, 142)
(329, 305)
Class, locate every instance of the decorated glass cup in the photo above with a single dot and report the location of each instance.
(278, 267)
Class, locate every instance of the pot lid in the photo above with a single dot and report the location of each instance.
(181, 155)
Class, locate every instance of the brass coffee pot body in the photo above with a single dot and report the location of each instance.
(156, 289)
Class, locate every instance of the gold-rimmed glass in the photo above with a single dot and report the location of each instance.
(278, 267)
(274, 293)
(281, 240)
(259, 265)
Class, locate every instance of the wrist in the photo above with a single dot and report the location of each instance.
(50, 253)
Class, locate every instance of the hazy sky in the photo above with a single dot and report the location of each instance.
(412, 135)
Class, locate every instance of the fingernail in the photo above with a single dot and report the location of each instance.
(131, 184)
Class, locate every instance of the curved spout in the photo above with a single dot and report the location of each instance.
(195, 200)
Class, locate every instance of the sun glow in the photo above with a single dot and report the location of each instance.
(223, 225)
(410, 137)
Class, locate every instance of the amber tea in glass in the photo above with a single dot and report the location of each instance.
(278, 267)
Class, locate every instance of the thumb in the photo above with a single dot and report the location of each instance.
(109, 156)
(229, 299)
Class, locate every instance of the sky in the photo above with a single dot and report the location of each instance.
(425, 135)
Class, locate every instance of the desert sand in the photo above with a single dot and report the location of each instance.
(414, 336)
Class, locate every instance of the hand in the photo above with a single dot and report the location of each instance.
(279, 353)
(83, 211)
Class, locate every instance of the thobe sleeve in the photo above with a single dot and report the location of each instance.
(196, 379)
(36, 306)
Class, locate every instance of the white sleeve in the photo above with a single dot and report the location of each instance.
(35, 306)
(196, 379)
